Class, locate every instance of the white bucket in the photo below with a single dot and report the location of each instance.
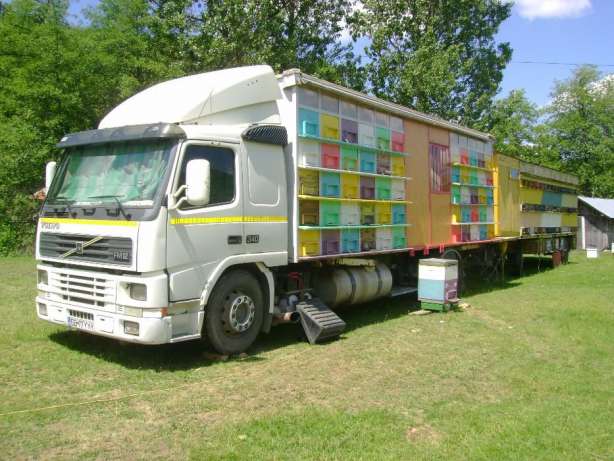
(612, 247)
(592, 253)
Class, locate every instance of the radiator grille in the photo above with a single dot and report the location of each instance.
(110, 250)
(81, 290)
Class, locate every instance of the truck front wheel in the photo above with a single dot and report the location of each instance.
(234, 313)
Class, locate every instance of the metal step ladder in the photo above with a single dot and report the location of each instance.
(318, 321)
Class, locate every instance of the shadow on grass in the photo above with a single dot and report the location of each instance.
(192, 354)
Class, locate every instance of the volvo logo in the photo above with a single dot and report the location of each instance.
(80, 246)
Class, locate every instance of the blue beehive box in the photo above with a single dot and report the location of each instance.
(438, 283)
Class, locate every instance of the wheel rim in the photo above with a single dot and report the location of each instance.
(240, 313)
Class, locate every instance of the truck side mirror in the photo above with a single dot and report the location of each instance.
(49, 174)
(198, 181)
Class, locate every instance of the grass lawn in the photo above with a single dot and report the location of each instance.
(526, 373)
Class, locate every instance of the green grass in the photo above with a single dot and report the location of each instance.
(526, 373)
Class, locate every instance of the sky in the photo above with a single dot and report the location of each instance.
(567, 31)
(562, 31)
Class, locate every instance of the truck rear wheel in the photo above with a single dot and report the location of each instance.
(234, 313)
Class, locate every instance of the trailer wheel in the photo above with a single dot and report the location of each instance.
(234, 313)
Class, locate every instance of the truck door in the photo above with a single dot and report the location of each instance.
(198, 238)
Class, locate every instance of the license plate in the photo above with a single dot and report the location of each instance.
(82, 324)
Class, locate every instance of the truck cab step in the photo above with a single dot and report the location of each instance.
(318, 321)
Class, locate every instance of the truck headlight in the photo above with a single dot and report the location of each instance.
(43, 277)
(138, 291)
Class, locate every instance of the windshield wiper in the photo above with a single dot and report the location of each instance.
(119, 204)
(61, 199)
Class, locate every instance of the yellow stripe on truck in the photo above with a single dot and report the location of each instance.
(91, 222)
(229, 219)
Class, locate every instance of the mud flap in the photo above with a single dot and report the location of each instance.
(318, 321)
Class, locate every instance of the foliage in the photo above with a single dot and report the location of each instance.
(512, 121)
(437, 56)
(579, 130)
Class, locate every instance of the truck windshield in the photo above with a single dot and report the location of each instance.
(126, 173)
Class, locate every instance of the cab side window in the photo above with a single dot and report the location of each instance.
(222, 164)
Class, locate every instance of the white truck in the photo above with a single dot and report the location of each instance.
(180, 216)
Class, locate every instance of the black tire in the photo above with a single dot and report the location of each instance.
(220, 330)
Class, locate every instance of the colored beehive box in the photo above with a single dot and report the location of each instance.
(330, 156)
(475, 197)
(489, 179)
(475, 215)
(481, 178)
(368, 162)
(330, 126)
(383, 164)
(366, 135)
(397, 189)
(349, 158)
(490, 214)
(367, 239)
(350, 241)
(383, 138)
(473, 158)
(481, 162)
(398, 141)
(350, 214)
(350, 185)
(399, 239)
(489, 196)
(491, 232)
(473, 178)
(308, 182)
(465, 195)
(308, 153)
(455, 174)
(552, 198)
(330, 242)
(465, 214)
(308, 122)
(483, 214)
(456, 234)
(309, 242)
(349, 131)
(309, 211)
(483, 232)
(367, 214)
(474, 232)
(383, 213)
(482, 196)
(399, 213)
(330, 213)
(382, 188)
(330, 184)
(456, 215)
(397, 165)
(455, 193)
(383, 239)
(465, 177)
(367, 188)
(464, 156)
(465, 233)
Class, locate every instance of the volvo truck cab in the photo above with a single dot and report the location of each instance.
(176, 202)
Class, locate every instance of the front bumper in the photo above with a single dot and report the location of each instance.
(98, 303)
(150, 330)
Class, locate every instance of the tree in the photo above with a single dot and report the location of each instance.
(437, 56)
(579, 130)
(513, 121)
